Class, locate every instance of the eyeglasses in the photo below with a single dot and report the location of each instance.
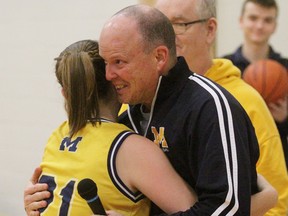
(181, 28)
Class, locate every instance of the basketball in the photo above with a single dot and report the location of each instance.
(269, 78)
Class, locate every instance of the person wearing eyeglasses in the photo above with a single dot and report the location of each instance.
(195, 25)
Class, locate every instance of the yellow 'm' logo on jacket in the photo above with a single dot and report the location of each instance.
(159, 138)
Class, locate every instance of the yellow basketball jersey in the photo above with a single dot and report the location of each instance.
(91, 153)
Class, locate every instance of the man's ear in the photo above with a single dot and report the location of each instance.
(162, 56)
(275, 26)
(240, 21)
(211, 30)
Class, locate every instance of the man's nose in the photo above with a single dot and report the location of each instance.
(110, 73)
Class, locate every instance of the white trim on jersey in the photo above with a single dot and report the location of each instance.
(119, 184)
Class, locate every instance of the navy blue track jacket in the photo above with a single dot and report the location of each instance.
(208, 138)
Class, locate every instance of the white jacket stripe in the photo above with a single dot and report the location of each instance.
(233, 188)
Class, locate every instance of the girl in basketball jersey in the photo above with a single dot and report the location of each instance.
(129, 170)
(126, 167)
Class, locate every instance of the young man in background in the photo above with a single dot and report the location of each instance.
(258, 22)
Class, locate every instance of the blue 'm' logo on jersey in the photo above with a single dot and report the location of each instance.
(70, 145)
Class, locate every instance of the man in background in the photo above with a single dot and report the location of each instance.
(258, 22)
(195, 25)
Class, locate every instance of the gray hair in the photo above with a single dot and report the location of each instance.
(206, 8)
(154, 27)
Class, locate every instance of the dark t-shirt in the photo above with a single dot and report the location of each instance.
(241, 62)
